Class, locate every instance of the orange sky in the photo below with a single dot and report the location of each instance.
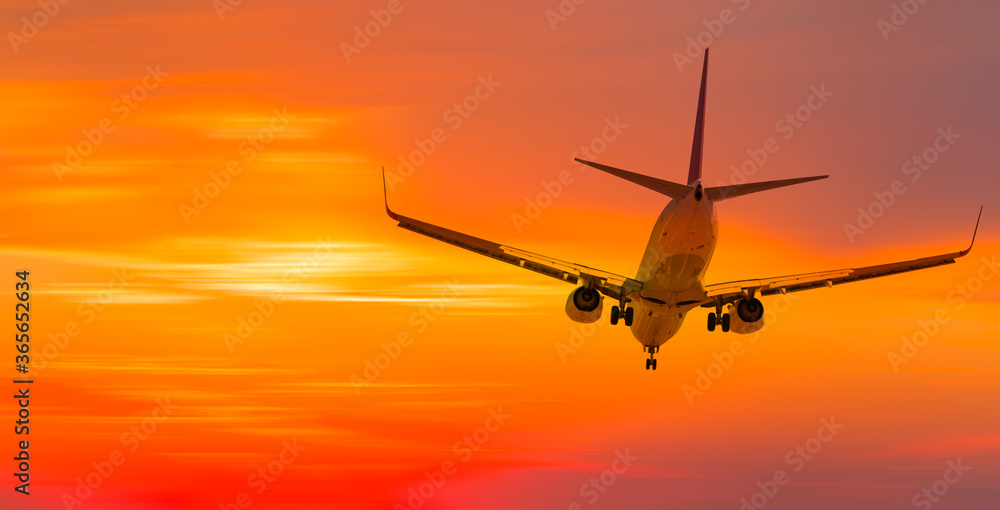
(251, 310)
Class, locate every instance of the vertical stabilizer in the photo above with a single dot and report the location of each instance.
(694, 172)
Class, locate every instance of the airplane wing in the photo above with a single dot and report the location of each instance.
(611, 285)
(729, 292)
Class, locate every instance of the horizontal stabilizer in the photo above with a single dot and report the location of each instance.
(670, 189)
(735, 190)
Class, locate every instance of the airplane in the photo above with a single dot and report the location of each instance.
(670, 281)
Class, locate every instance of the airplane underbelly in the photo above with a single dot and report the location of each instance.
(677, 255)
(653, 329)
(679, 272)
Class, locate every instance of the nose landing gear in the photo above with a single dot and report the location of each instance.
(651, 362)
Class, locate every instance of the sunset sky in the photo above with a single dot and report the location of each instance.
(195, 189)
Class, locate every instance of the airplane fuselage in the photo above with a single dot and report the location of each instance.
(673, 266)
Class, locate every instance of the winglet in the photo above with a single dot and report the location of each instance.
(385, 196)
(967, 250)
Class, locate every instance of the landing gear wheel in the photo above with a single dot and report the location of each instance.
(652, 352)
(711, 321)
(725, 323)
(628, 317)
(614, 315)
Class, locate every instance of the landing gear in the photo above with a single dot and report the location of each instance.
(616, 313)
(718, 318)
(651, 362)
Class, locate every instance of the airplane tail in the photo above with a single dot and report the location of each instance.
(677, 191)
(671, 189)
(697, 147)
(694, 171)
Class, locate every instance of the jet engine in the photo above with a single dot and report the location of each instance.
(585, 305)
(749, 316)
